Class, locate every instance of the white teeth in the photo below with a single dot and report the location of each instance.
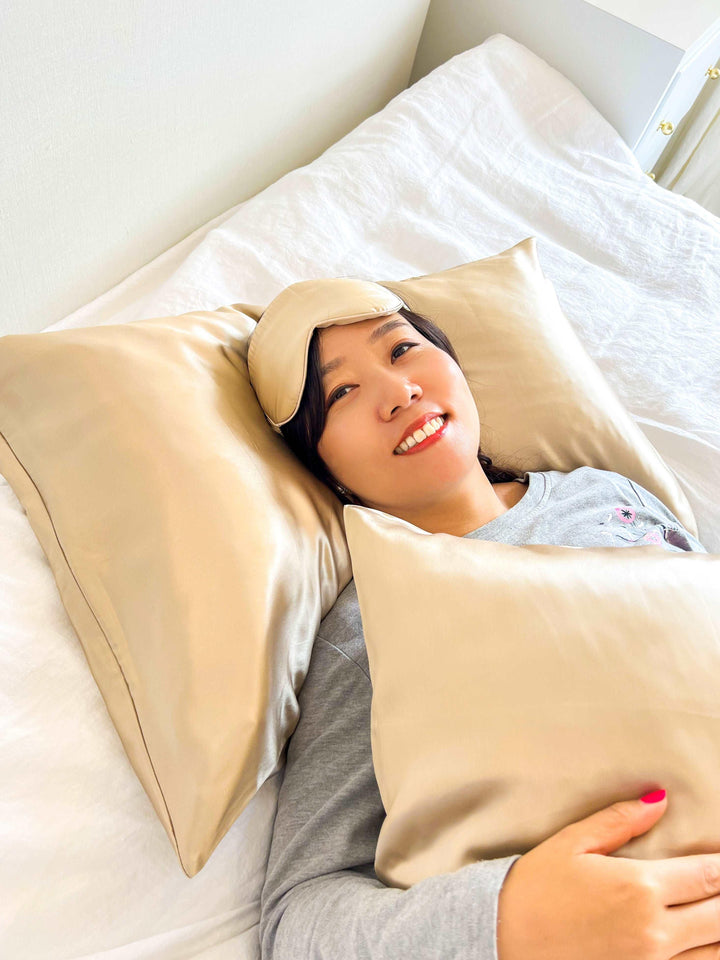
(419, 435)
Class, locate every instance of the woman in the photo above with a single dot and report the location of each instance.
(348, 374)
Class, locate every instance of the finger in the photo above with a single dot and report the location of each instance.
(685, 879)
(694, 925)
(711, 952)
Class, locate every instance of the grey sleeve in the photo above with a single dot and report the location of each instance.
(321, 899)
(684, 538)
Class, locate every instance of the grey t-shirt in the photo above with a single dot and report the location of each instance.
(322, 899)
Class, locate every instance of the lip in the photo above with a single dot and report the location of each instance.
(416, 425)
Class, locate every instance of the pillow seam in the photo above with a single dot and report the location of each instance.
(109, 645)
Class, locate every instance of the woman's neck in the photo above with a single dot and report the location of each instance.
(467, 509)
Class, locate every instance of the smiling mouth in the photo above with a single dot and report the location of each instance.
(413, 445)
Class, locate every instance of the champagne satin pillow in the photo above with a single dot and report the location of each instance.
(517, 689)
(194, 555)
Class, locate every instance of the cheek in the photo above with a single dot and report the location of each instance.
(448, 374)
(322, 447)
(333, 444)
(345, 445)
(461, 389)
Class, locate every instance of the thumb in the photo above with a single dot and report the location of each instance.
(612, 827)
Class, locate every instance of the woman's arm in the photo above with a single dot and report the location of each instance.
(322, 898)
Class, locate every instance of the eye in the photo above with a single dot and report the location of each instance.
(338, 395)
(404, 344)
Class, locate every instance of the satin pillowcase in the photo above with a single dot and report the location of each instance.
(517, 689)
(193, 553)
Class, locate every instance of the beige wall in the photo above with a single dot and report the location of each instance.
(126, 126)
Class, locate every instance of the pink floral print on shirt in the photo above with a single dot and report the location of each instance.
(634, 530)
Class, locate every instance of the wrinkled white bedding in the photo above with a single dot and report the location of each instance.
(490, 148)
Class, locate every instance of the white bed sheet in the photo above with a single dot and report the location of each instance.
(490, 148)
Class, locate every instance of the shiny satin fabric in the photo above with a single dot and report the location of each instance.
(517, 689)
(278, 348)
(194, 555)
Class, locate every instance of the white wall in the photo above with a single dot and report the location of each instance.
(678, 21)
(126, 126)
(621, 69)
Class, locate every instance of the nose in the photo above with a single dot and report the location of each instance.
(397, 394)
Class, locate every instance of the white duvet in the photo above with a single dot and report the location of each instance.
(490, 148)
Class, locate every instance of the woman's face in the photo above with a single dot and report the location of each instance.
(379, 377)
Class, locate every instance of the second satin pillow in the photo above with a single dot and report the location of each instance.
(517, 689)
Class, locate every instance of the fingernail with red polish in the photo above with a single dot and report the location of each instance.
(654, 797)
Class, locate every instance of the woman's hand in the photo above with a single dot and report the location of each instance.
(567, 900)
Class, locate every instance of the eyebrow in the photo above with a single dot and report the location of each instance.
(373, 338)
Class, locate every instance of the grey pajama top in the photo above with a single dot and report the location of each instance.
(321, 898)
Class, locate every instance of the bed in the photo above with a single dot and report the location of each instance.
(491, 147)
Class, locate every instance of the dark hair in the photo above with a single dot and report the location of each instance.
(303, 432)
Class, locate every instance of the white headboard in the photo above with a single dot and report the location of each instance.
(127, 126)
